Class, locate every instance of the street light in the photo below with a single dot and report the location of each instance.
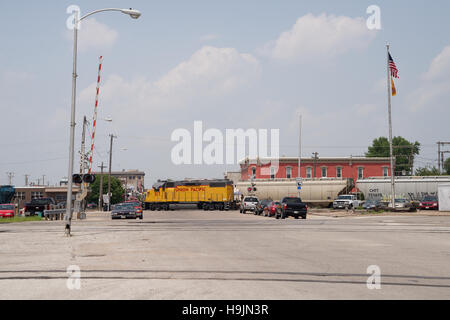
(133, 14)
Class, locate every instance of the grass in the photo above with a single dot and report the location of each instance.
(20, 219)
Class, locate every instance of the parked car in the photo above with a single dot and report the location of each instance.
(249, 204)
(429, 202)
(273, 208)
(7, 210)
(292, 206)
(402, 204)
(125, 211)
(262, 205)
(38, 205)
(345, 201)
(372, 204)
(138, 206)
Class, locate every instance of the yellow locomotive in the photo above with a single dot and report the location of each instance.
(206, 194)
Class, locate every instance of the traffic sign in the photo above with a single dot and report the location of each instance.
(299, 188)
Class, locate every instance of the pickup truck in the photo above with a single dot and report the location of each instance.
(38, 205)
(345, 201)
(292, 206)
(249, 204)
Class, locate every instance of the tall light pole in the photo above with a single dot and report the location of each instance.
(126, 179)
(299, 177)
(109, 173)
(133, 14)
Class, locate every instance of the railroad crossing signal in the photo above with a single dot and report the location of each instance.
(87, 178)
(252, 188)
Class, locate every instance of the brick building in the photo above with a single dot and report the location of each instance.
(133, 179)
(25, 194)
(323, 167)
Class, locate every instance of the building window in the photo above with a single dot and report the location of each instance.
(288, 172)
(36, 195)
(360, 172)
(308, 172)
(19, 196)
(338, 172)
(385, 171)
(272, 173)
(324, 172)
(254, 171)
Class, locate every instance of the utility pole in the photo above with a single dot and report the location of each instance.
(126, 184)
(100, 195)
(43, 176)
(10, 177)
(82, 150)
(315, 162)
(109, 175)
(299, 151)
(26, 179)
(439, 156)
(82, 202)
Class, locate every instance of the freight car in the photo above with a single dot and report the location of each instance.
(317, 192)
(410, 187)
(206, 194)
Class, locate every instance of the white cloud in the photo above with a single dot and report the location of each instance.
(216, 70)
(209, 73)
(321, 36)
(440, 66)
(94, 34)
(435, 83)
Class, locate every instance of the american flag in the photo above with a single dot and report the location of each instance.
(393, 67)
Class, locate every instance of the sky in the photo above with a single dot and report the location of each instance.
(230, 64)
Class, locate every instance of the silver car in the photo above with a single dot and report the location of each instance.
(402, 205)
(249, 203)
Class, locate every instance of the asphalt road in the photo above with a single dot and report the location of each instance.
(226, 255)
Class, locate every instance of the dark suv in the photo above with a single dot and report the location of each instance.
(293, 206)
(38, 205)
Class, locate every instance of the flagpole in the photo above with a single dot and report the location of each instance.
(390, 132)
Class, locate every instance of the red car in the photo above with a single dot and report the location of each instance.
(272, 208)
(7, 210)
(429, 202)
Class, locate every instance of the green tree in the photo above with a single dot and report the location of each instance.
(427, 171)
(447, 166)
(403, 151)
(116, 189)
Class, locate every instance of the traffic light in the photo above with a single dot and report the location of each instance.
(89, 178)
(76, 178)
